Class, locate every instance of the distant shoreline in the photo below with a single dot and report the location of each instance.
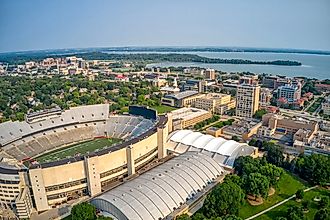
(145, 58)
(167, 49)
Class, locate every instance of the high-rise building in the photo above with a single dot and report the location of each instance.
(249, 79)
(210, 74)
(265, 97)
(247, 100)
(290, 92)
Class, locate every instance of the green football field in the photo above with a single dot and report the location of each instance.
(77, 149)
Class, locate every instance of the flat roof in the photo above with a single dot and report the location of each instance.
(181, 95)
(187, 113)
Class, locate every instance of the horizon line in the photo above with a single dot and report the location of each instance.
(271, 49)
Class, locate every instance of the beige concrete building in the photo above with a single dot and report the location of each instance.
(186, 117)
(277, 123)
(247, 100)
(243, 129)
(58, 181)
(217, 103)
(14, 190)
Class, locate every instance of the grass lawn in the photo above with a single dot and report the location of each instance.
(281, 210)
(81, 148)
(315, 105)
(287, 186)
(163, 108)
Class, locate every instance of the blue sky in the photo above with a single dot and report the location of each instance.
(40, 24)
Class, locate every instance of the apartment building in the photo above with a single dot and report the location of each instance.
(247, 100)
(290, 92)
(265, 97)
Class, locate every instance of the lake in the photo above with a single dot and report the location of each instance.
(313, 66)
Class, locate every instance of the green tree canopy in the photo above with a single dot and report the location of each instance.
(322, 214)
(256, 184)
(223, 200)
(84, 211)
(300, 194)
(272, 172)
(295, 213)
(314, 168)
(275, 155)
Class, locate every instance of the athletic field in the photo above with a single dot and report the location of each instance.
(77, 149)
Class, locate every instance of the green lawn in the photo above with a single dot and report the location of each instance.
(315, 105)
(281, 210)
(163, 108)
(81, 148)
(287, 186)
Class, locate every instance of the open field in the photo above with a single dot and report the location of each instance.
(80, 148)
(287, 186)
(163, 108)
(281, 210)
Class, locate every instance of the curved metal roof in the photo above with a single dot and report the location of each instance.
(195, 141)
(156, 193)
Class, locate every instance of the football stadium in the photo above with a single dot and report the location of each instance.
(132, 166)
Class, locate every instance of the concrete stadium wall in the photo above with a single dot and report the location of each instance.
(61, 181)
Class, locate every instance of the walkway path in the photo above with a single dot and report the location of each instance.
(278, 204)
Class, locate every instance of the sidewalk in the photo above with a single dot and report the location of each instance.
(278, 204)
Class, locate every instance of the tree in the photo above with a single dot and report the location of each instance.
(223, 200)
(322, 214)
(256, 184)
(246, 165)
(253, 142)
(300, 194)
(183, 217)
(198, 216)
(259, 113)
(272, 172)
(281, 218)
(275, 155)
(306, 204)
(295, 213)
(324, 202)
(84, 211)
(231, 217)
(234, 179)
(235, 138)
(314, 168)
(104, 218)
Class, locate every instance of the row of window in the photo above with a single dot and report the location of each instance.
(66, 185)
(8, 187)
(8, 182)
(9, 191)
(145, 156)
(112, 171)
(79, 192)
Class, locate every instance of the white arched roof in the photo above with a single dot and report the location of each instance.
(196, 141)
(215, 144)
(158, 192)
(228, 148)
(202, 141)
(190, 138)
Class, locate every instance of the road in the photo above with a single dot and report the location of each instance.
(278, 204)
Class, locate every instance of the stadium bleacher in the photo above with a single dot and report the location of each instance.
(24, 140)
